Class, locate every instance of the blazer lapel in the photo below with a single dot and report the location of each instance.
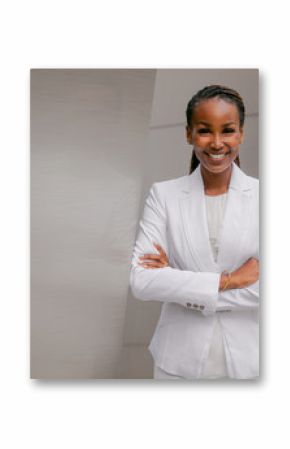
(194, 220)
(234, 227)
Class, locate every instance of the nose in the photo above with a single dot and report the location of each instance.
(217, 142)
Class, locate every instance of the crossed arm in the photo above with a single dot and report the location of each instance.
(153, 279)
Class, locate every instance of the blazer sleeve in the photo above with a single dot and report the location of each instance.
(239, 298)
(247, 297)
(190, 289)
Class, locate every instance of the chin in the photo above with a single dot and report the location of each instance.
(217, 168)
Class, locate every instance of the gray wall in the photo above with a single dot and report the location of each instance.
(99, 139)
(89, 134)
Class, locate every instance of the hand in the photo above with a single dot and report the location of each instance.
(155, 260)
(246, 274)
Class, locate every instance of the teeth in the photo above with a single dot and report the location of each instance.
(217, 156)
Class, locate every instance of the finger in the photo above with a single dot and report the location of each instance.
(162, 257)
(152, 264)
(160, 249)
(146, 265)
(158, 260)
(148, 262)
(150, 256)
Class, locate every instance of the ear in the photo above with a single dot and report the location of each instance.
(188, 135)
(241, 135)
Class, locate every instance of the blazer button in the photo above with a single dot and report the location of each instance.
(196, 306)
(201, 307)
(188, 304)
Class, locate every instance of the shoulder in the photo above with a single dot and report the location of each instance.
(244, 181)
(169, 186)
(164, 192)
(252, 190)
(254, 183)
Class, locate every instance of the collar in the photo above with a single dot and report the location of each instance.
(239, 180)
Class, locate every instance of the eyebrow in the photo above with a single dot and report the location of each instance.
(208, 124)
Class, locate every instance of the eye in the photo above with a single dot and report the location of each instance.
(229, 130)
(203, 131)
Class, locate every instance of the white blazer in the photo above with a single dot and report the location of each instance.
(174, 216)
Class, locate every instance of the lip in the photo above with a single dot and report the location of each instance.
(218, 154)
(217, 161)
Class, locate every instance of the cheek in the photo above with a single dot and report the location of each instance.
(233, 140)
(200, 142)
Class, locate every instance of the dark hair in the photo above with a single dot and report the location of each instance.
(213, 91)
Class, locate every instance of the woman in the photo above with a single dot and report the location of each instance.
(197, 251)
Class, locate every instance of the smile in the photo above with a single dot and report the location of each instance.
(217, 156)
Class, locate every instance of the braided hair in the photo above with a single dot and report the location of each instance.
(213, 91)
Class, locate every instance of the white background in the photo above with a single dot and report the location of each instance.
(143, 414)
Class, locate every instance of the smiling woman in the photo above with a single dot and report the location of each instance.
(216, 133)
(204, 227)
(215, 128)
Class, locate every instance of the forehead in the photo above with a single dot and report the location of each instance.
(215, 110)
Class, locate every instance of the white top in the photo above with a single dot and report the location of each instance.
(215, 365)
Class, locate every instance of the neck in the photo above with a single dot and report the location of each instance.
(216, 183)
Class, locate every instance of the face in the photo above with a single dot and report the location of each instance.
(215, 134)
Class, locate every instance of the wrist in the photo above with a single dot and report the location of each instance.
(228, 281)
(224, 280)
(235, 282)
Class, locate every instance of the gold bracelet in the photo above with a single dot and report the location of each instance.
(228, 280)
